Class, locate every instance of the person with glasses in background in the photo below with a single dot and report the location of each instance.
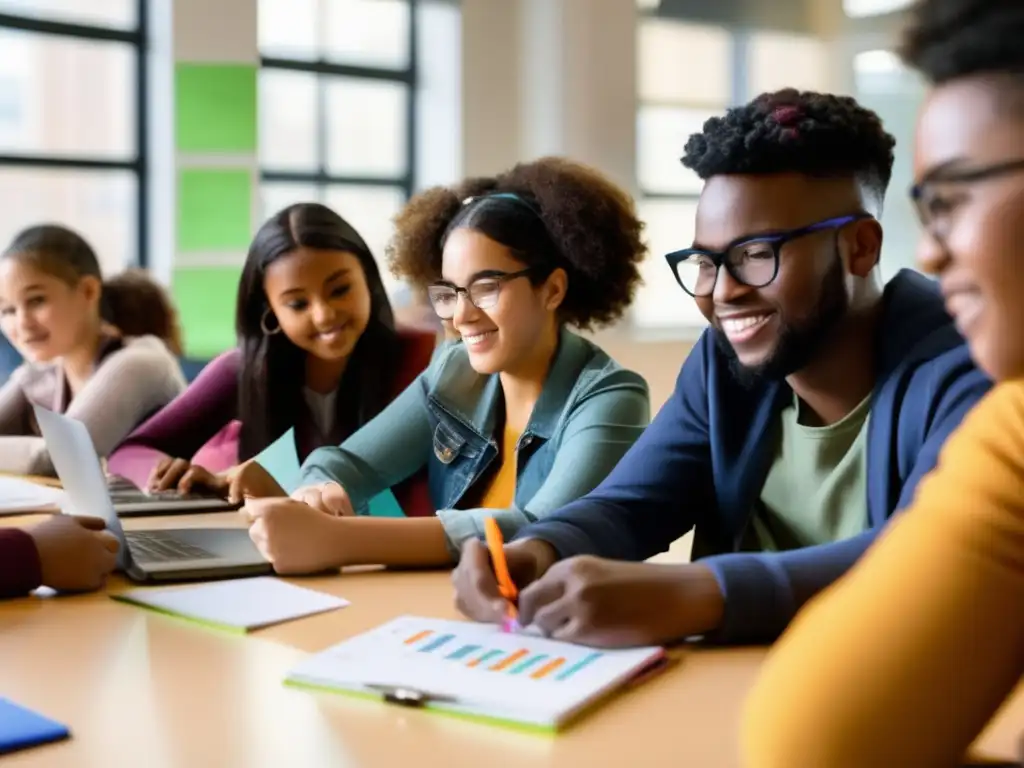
(517, 417)
(802, 420)
(907, 658)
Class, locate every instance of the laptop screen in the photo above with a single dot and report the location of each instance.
(78, 466)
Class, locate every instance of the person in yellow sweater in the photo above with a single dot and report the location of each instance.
(904, 661)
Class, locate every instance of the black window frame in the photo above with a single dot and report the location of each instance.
(406, 76)
(139, 165)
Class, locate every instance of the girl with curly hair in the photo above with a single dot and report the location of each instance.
(516, 417)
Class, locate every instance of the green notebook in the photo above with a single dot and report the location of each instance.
(474, 671)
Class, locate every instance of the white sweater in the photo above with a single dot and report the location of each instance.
(134, 377)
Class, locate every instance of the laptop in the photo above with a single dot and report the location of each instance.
(130, 501)
(164, 555)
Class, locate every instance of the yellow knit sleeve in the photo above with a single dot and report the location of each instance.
(904, 660)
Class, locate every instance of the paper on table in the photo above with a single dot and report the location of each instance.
(475, 669)
(238, 604)
(18, 497)
(281, 460)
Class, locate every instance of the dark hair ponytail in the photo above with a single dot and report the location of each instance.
(132, 302)
(272, 371)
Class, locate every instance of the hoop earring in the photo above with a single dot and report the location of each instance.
(263, 324)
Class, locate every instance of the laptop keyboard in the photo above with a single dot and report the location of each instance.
(149, 547)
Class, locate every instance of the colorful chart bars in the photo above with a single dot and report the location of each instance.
(522, 661)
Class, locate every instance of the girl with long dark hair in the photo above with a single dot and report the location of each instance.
(317, 351)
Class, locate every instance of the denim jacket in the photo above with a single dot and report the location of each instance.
(590, 411)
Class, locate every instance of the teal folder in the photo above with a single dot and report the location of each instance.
(281, 460)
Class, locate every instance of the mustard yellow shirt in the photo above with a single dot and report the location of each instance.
(501, 490)
(904, 660)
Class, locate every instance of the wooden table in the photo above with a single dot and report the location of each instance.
(142, 689)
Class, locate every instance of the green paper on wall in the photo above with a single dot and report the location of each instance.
(215, 107)
(214, 209)
(206, 302)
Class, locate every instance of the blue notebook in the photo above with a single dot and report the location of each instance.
(21, 728)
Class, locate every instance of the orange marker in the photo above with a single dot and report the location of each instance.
(507, 587)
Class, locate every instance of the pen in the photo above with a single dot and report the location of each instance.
(507, 587)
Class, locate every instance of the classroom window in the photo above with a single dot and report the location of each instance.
(779, 60)
(337, 109)
(859, 8)
(72, 107)
(685, 75)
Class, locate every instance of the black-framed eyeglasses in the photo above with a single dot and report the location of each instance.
(750, 260)
(933, 207)
(482, 293)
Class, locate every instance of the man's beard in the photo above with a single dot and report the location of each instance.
(798, 344)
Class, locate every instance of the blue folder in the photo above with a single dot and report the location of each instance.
(21, 728)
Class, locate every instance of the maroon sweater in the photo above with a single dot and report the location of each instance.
(20, 569)
(201, 424)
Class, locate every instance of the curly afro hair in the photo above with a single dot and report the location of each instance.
(792, 131)
(949, 39)
(551, 213)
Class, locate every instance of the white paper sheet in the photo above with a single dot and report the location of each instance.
(18, 497)
(243, 604)
(514, 677)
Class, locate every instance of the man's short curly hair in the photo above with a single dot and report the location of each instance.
(949, 39)
(554, 213)
(790, 131)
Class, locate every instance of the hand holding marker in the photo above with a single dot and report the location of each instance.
(507, 588)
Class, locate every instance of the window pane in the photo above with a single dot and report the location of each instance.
(276, 196)
(366, 128)
(856, 8)
(287, 29)
(684, 63)
(779, 60)
(66, 97)
(104, 13)
(895, 92)
(100, 205)
(288, 120)
(661, 135)
(367, 32)
(660, 302)
(370, 210)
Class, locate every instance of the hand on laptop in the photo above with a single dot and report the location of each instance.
(294, 537)
(75, 553)
(330, 498)
(246, 479)
(183, 476)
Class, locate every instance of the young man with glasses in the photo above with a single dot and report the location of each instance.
(803, 419)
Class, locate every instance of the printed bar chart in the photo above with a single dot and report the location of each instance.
(509, 660)
(548, 668)
(463, 652)
(586, 661)
(521, 661)
(486, 657)
(529, 663)
(437, 642)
